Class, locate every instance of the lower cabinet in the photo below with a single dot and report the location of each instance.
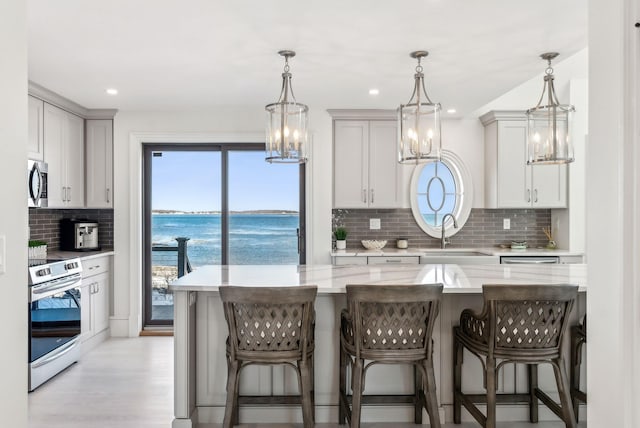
(96, 280)
(374, 260)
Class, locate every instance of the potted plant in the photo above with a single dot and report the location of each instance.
(340, 234)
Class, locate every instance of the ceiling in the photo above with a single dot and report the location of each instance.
(195, 54)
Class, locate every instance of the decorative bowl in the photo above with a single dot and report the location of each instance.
(373, 244)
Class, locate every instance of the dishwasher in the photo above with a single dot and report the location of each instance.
(529, 260)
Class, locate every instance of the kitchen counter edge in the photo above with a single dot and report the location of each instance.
(83, 255)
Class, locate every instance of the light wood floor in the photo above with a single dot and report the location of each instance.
(128, 383)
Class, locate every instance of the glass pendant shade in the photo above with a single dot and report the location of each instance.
(419, 129)
(549, 125)
(287, 124)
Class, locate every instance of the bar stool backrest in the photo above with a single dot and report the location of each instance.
(393, 317)
(530, 317)
(276, 320)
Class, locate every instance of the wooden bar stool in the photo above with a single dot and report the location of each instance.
(518, 324)
(270, 325)
(578, 339)
(388, 324)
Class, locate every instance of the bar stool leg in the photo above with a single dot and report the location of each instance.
(417, 398)
(356, 404)
(532, 370)
(576, 359)
(312, 375)
(491, 393)
(231, 406)
(305, 392)
(342, 400)
(562, 381)
(430, 395)
(457, 378)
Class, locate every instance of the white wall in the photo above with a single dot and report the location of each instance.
(13, 215)
(613, 215)
(462, 136)
(465, 137)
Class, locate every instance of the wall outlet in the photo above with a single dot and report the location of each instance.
(374, 223)
(506, 223)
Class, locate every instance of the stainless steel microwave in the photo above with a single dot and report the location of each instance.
(37, 174)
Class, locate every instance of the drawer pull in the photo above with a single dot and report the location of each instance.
(393, 261)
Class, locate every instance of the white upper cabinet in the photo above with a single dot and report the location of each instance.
(64, 154)
(99, 146)
(36, 129)
(366, 173)
(509, 181)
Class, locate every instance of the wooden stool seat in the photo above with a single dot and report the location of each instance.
(388, 324)
(518, 324)
(273, 325)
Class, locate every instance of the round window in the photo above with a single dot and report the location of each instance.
(440, 188)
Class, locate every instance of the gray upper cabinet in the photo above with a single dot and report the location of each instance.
(509, 181)
(99, 161)
(366, 173)
(64, 154)
(36, 129)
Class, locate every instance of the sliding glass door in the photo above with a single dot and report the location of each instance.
(215, 204)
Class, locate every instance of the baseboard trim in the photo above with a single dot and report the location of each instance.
(119, 327)
(324, 414)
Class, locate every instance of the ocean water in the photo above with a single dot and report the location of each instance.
(253, 238)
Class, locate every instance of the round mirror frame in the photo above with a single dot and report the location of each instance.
(462, 209)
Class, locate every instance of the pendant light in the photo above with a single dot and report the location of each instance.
(549, 124)
(287, 122)
(419, 138)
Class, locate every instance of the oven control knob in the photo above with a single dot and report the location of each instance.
(43, 272)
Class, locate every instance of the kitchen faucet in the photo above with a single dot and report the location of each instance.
(444, 241)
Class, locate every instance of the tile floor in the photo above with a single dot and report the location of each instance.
(128, 383)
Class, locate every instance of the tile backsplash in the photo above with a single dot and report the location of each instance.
(44, 224)
(482, 229)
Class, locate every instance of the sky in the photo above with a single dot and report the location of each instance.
(191, 181)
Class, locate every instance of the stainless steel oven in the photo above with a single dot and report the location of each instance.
(37, 175)
(54, 318)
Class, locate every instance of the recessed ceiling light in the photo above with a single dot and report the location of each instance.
(112, 91)
(451, 110)
(374, 91)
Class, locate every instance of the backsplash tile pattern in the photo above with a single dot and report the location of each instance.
(44, 224)
(482, 229)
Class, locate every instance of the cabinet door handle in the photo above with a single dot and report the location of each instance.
(528, 195)
(108, 190)
(64, 194)
(535, 197)
(372, 195)
(364, 195)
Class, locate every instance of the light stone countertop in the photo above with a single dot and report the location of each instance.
(84, 255)
(332, 279)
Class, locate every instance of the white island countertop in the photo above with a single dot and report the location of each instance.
(332, 279)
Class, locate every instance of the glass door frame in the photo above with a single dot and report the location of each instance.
(224, 149)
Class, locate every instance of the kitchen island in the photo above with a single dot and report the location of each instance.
(200, 332)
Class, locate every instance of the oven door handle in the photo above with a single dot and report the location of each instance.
(66, 284)
(64, 349)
